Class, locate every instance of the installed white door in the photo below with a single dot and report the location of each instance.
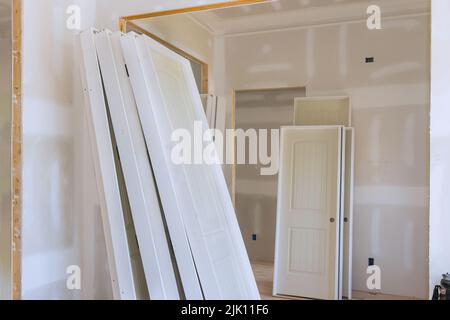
(307, 237)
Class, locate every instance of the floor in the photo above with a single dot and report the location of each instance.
(264, 278)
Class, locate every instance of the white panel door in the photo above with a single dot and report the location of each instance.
(307, 235)
(348, 213)
(105, 171)
(136, 167)
(168, 99)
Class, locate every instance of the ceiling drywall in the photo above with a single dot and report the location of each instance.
(282, 14)
(277, 7)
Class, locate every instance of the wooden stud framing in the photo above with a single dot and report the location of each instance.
(124, 20)
(16, 170)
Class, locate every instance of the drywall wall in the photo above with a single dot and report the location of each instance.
(256, 194)
(5, 148)
(58, 183)
(61, 218)
(390, 115)
(440, 143)
(51, 210)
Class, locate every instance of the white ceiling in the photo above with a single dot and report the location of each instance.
(277, 7)
(281, 14)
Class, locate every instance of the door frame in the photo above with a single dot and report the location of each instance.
(16, 163)
(348, 225)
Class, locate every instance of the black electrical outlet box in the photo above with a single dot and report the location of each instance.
(370, 60)
(371, 261)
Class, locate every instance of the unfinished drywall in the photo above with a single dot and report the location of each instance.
(390, 116)
(50, 210)
(256, 195)
(440, 143)
(61, 212)
(5, 148)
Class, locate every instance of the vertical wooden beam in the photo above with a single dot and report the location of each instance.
(16, 170)
(205, 78)
(123, 25)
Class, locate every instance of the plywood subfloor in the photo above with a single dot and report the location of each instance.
(264, 278)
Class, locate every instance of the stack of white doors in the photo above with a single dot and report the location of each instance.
(139, 95)
(313, 250)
